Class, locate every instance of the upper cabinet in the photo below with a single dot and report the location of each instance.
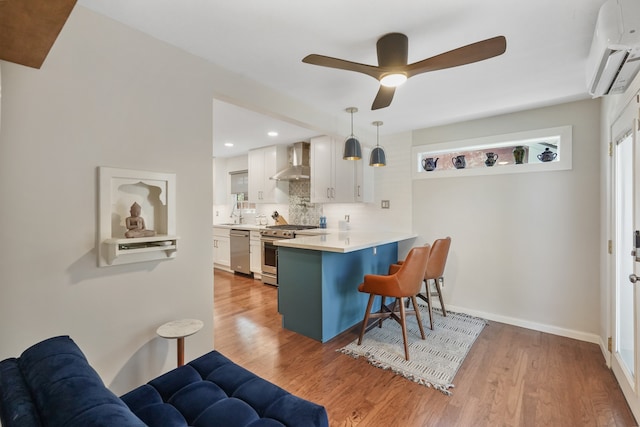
(333, 179)
(263, 164)
(364, 178)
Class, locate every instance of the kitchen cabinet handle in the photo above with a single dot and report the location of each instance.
(328, 193)
(358, 191)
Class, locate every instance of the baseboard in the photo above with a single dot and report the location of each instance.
(222, 268)
(541, 327)
(605, 352)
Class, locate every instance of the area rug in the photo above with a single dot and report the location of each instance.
(435, 360)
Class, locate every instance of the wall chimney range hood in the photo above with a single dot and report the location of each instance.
(298, 167)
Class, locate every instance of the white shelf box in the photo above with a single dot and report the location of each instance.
(141, 249)
(156, 193)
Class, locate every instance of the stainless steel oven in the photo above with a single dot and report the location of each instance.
(269, 260)
(270, 251)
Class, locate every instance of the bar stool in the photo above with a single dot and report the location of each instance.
(435, 271)
(404, 283)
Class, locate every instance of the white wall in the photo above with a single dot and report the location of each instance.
(110, 96)
(525, 247)
(105, 96)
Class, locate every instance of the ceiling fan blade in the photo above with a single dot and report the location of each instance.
(468, 54)
(383, 98)
(341, 64)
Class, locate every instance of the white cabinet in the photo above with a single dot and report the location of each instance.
(255, 253)
(263, 164)
(221, 248)
(332, 177)
(364, 178)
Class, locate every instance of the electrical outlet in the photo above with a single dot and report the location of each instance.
(385, 204)
(346, 218)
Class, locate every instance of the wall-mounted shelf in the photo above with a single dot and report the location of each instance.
(533, 140)
(141, 248)
(156, 193)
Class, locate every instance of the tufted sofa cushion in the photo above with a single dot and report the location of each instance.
(53, 385)
(214, 391)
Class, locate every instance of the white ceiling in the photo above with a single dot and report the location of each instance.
(547, 45)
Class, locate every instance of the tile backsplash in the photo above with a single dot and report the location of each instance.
(301, 210)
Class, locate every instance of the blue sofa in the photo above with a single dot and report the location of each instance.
(52, 384)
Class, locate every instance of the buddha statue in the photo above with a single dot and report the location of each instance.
(135, 223)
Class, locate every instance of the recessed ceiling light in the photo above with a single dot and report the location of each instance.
(228, 144)
(272, 133)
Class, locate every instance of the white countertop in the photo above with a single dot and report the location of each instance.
(344, 241)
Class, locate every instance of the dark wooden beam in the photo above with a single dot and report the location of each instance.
(28, 29)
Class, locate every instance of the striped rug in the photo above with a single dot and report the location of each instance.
(435, 360)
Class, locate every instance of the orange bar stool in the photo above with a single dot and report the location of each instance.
(404, 283)
(435, 271)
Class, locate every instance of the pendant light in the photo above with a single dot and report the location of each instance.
(352, 150)
(377, 154)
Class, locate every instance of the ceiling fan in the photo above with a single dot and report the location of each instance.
(393, 70)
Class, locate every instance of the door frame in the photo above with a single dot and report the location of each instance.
(630, 112)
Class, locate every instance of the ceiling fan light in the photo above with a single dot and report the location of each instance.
(352, 149)
(393, 80)
(378, 157)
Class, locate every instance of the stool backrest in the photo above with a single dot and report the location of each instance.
(412, 271)
(437, 258)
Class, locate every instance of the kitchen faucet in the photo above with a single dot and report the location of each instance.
(237, 217)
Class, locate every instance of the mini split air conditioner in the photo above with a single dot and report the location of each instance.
(614, 59)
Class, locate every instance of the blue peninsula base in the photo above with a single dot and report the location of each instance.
(318, 290)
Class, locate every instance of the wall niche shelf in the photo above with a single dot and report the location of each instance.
(155, 192)
(558, 139)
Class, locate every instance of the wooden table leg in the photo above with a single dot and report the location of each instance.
(180, 351)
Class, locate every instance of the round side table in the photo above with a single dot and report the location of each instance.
(179, 329)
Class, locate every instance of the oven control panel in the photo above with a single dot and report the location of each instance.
(282, 234)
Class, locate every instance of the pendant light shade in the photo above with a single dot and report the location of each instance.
(352, 149)
(378, 157)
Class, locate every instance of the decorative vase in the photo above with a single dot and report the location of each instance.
(518, 154)
(547, 155)
(459, 162)
(429, 164)
(491, 159)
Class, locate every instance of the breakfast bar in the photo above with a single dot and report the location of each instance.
(318, 278)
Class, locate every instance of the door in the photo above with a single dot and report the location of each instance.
(626, 195)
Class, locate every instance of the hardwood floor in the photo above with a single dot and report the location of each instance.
(511, 377)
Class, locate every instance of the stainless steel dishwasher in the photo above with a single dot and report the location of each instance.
(240, 258)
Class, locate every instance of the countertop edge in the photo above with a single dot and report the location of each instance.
(341, 242)
(249, 227)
